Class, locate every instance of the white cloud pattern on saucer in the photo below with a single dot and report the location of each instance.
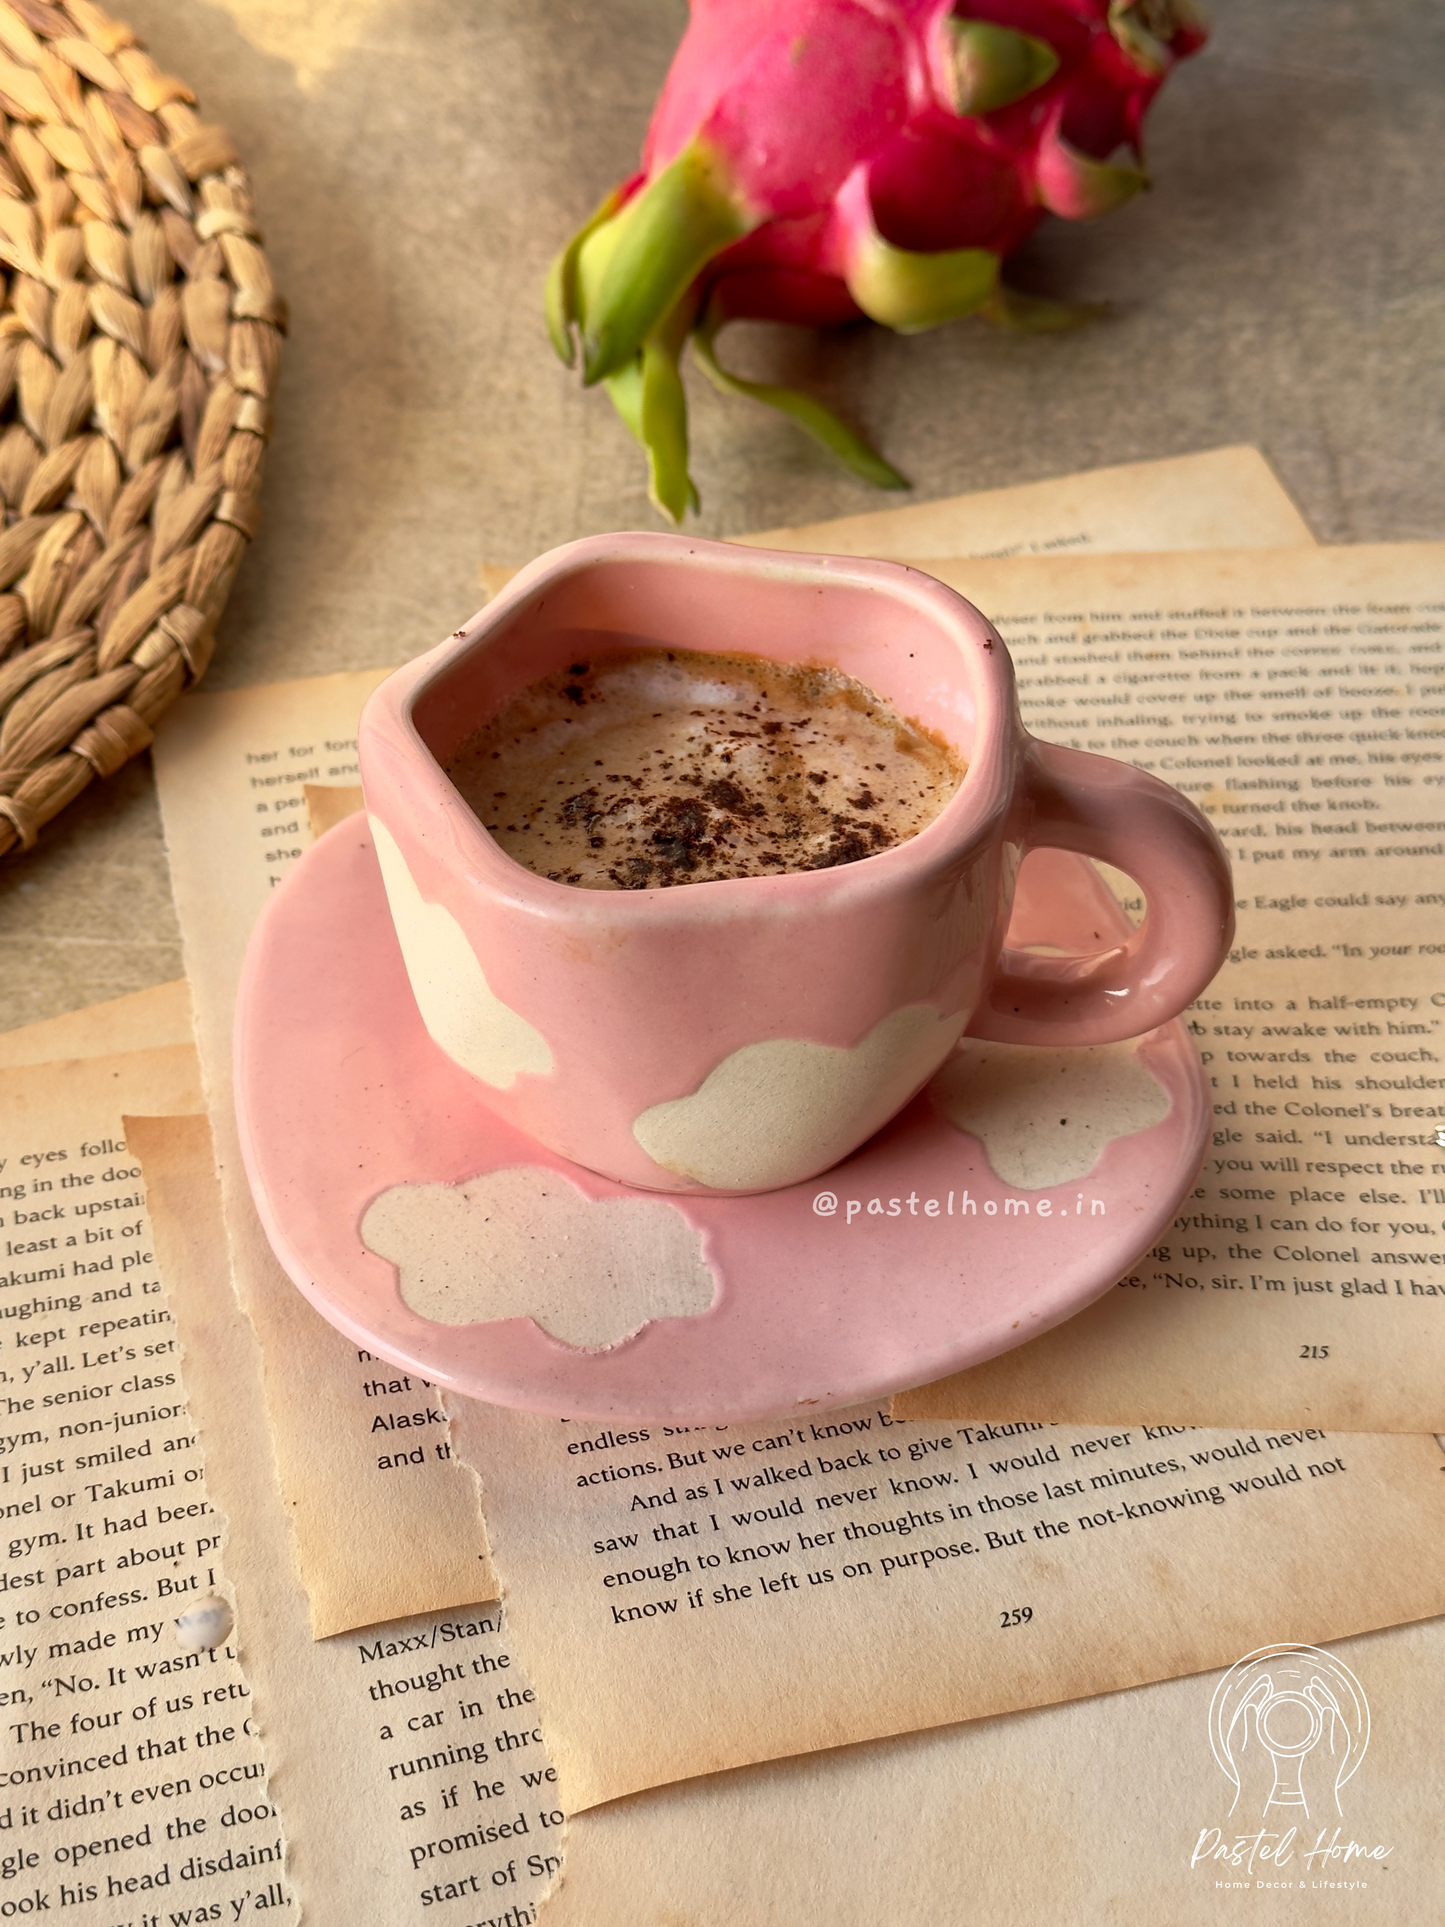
(1044, 1116)
(523, 1242)
(775, 1113)
(461, 1011)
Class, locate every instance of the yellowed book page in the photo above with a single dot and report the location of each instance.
(1105, 1810)
(407, 1760)
(687, 1600)
(141, 1021)
(1223, 498)
(375, 1542)
(1299, 697)
(133, 1781)
(328, 804)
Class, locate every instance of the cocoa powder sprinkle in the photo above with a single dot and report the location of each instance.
(711, 767)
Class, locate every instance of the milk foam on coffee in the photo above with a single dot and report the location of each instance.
(651, 767)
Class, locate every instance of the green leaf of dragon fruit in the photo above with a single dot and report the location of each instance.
(824, 161)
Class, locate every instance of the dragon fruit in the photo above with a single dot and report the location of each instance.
(822, 161)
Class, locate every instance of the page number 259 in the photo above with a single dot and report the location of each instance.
(1015, 1616)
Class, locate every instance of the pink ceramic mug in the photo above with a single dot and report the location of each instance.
(744, 1035)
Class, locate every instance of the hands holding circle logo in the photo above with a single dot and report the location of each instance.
(1295, 1721)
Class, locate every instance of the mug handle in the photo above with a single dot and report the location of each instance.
(1101, 808)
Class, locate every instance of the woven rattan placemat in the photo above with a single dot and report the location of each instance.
(139, 342)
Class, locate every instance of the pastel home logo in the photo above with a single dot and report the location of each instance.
(1299, 1710)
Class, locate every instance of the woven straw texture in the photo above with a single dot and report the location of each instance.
(139, 342)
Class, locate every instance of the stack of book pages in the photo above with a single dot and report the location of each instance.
(285, 1630)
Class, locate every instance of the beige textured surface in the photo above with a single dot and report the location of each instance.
(418, 161)
(1072, 1816)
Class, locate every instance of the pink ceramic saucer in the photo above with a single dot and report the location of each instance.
(343, 1098)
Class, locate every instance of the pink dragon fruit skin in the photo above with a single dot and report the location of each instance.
(818, 161)
(790, 98)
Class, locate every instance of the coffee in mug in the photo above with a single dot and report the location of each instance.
(645, 768)
(747, 1037)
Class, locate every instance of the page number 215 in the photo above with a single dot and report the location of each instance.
(1015, 1616)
